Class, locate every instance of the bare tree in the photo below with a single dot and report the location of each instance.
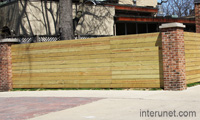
(1, 21)
(178, 7)
(1, 17)
(66, 20)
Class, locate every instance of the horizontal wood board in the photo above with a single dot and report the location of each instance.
(131, 61)
(192, 55)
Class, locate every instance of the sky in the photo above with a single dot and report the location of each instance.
(159, 0)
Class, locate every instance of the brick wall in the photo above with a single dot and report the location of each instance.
(5, 67)
(173, 58)
(197, 16)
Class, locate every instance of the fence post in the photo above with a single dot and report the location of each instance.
(6, 64)
(173, 52)
(197, 15)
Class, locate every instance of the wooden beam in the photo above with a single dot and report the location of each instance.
(152, 19)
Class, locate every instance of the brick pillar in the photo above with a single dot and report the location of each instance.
(197, 15)
(173, 52)
(5, 64)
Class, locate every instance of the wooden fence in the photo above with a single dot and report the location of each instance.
(192, 53)
(131, 61)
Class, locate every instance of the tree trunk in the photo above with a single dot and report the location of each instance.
(66, 20)
(2, 18)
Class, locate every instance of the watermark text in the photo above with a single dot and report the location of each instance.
(173, 113)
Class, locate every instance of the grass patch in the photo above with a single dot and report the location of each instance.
(193, 84)
(154, 89)
(147, 89)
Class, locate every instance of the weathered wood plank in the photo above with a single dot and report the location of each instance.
(92, 65)
(194, 63)
(135, 76)
(192, 51)
(62, 46)
(192, 55)
(153, 39)
(61, 58)
(65, 62)
(83, 65)
(137, 81)
(135, 54)
(89, 73)
(192, 72)
(190, 47)
(136, 72)
(69, 54)
(88, 86)
(117, 59)
(144, 49)
(193, 80)
(150, 67)
(62, 78)
(141, 85)
(37, 69)
(61, 53)
(150, 44)
(190, 34)
(193, 76)
(189, 60)
(60, 82)
(62, 70)
(129, 59)
(63, 82)
(105, 47)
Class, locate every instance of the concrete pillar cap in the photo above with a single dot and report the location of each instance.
(9, 40)
(172, 25)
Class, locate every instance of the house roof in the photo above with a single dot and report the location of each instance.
(134, 8)
(124, 17)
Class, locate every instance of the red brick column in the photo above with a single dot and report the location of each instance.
(5, 65)
(173, 51)
(197, 15)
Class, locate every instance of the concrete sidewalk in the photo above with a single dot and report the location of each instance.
(118, 105)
